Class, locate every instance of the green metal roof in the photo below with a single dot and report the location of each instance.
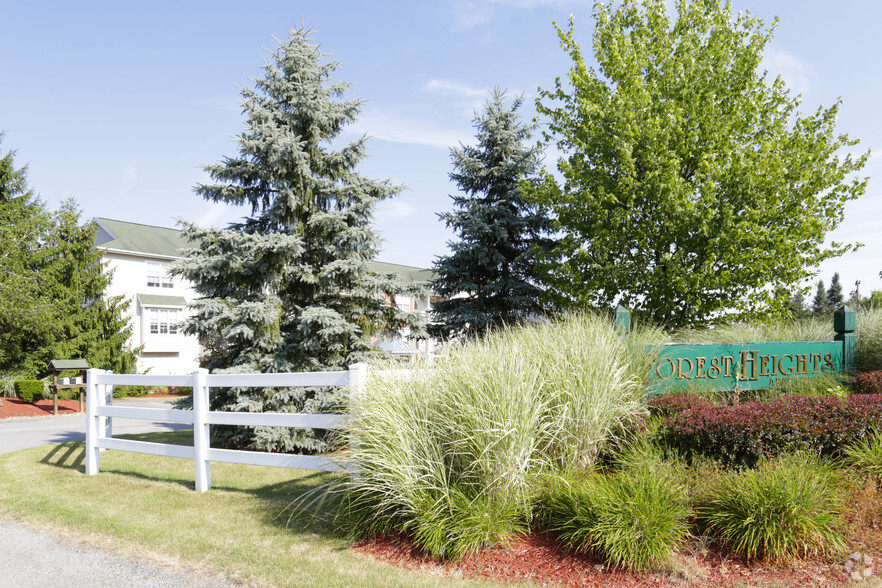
(164, 242)
(139, 238)
(409, 273)
(160, 300)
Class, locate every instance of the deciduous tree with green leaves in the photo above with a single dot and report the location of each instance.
(290, 288)
(692, 187)
(493, 261)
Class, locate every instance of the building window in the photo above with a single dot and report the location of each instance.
(157, 276)
(163, 321)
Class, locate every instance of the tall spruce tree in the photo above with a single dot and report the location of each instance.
(289, 288)
(834, 292)
(500, 234)
(820, 303)
(89, 324)
(26, 317)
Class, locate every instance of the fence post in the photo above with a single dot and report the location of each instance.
(845, 324)
(200, 430)
(108, 401)
(357, 383)
(94, 399)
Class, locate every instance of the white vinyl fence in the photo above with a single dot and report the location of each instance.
(100, 412)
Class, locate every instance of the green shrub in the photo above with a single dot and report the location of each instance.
(634, 517)
(29, 390)
(449, 455)
(865, 455)
(7, 384)
(784, 509)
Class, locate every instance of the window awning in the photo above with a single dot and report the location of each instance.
(157, 300)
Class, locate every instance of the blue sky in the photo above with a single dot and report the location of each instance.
(117, 104)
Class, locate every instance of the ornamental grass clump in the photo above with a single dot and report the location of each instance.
(633, 517)
(784, 509)
(450, 455)
(865, 455)
(868, 355)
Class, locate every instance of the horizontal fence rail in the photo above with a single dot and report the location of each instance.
(100, 412)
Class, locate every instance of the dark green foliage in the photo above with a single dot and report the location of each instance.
(634, 517)
(289, 288)
(782, 510)
(89, 324)
(29, 390)
(834, 293)
(821, 303)
(795, 307)
(26, 317)
(867, 383)
(743, 434)
(500, 235)
(52, 287)
(691, 187)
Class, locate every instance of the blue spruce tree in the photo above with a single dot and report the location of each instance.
(500, 235)
(289, 288)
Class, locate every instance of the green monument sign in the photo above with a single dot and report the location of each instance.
(751, 366)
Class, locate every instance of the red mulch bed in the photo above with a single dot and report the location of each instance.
(537, 559)
(16, 407)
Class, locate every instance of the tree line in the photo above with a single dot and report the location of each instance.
(53, 301)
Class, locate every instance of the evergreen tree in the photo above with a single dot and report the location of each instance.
(834, 293)
(289, 288)
(89, 324)
(820, 303)
(26, 317)
(500, 234)
(795, 306)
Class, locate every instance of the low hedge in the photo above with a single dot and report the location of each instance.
(741, 434)
(670, 404)
(29, 390)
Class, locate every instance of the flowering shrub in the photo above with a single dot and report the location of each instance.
(741, 434)
(867, 383)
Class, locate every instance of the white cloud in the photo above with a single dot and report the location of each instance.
(400, 129)
(218, 214)
(394, 210)
(450, 88)
(795, 73)
(471, 13)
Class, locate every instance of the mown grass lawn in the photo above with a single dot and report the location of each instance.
(146, 503)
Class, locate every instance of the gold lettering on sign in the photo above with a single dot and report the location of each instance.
(699, 363)
(728, 360)
(781, 369)
(714, 372)
(774, 365)
(828, 363)
(816, 359)
(802, 363)
(748, 358)
(764, 365)
(681, 375)
(659, 367)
